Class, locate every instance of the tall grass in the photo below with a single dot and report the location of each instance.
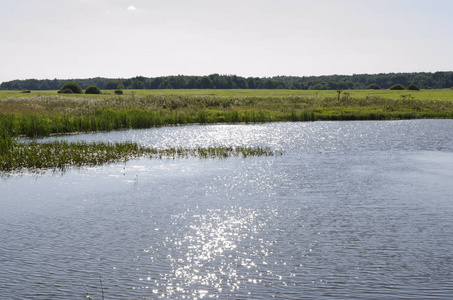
(107, 120)
(62, 154)
(42, 117)
(6, 140)
(45, 116)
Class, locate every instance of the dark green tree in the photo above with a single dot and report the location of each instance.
(318, 86)
(44, 86)
(413, 87)
(111, 85)
(162, 85)
(251, 83)
(66, 91)
(423, 80)
(206, 82)
(397, 87)
(373, 86)
(93, 90)
(138, 85)
(269, 84)
(74, 87)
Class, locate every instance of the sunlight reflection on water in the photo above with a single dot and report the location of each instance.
(351, 210)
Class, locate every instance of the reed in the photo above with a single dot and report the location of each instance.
(6, 140)
(61, 154)
(45, 115)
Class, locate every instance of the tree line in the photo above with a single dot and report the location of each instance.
(423, 80)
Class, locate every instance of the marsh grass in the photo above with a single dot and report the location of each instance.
(46, 115)
(6, 133)
(59, 155)
(5, 141)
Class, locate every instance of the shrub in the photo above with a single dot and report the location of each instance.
(413, 87)
(74, 87)
(118, 92)
(66, 91)
(397, 87)
(373, 86)
(93, 90)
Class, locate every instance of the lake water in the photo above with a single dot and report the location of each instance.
(351, 210)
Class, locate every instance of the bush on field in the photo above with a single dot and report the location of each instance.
(66, 91)
(373, 86)
(74, 87)
(118, 92)
(397, 87)
(93, 90)
(413, 87)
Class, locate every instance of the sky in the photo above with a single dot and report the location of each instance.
(68, 39)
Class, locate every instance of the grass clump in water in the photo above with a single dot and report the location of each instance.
(61, 154)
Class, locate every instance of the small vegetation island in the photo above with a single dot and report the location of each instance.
(39, 108)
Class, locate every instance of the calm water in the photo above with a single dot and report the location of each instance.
(351, 210)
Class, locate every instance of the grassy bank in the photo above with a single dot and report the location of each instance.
(45, 115)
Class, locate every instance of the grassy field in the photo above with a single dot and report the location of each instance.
(45, 113)
(443, 94)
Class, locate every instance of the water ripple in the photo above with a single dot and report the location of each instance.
(352, 210)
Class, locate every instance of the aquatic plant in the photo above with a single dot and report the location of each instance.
(6, 133)
(5, 141)
(62, 154)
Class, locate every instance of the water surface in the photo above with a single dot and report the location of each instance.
(351, 210)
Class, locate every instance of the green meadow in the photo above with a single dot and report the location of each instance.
(440, 94)
(45, 113)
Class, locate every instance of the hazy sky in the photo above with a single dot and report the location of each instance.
(125, 38)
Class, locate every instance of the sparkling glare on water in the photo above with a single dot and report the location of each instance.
(351, 210)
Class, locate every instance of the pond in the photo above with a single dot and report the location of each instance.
(350, 210)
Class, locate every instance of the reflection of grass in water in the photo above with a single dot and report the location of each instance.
(61, 154)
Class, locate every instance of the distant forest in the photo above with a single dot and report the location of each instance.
(437, 80)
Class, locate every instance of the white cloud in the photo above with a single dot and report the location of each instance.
(132, 8)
